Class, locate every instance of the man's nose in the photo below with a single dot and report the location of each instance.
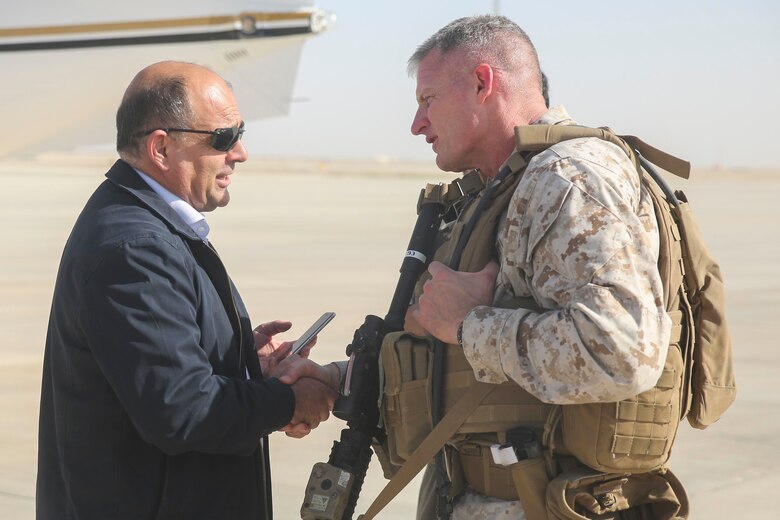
(239, 152)
(419, 122)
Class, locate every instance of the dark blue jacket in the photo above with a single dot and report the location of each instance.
(146, 412)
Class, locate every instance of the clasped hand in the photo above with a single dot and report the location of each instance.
(448, 297)
(314, 386)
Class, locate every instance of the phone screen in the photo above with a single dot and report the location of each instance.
(312, 331)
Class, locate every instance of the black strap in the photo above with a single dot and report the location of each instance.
(443, 484)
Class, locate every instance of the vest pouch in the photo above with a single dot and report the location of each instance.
(631, 436)
(525, 480)
(407, 368)
(583, 494)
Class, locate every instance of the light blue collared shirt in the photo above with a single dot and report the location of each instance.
(194, 218)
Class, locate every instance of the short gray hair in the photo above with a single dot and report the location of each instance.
(485, 37)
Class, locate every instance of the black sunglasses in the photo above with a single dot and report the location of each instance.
(223, 139)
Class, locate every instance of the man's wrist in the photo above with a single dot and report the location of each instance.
(338, 375)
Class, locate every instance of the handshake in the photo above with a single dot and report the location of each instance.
(315, 386)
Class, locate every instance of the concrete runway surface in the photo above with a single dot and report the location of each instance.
(303, 237)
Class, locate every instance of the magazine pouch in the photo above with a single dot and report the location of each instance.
(586, 494)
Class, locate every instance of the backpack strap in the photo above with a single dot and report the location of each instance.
(668, 162)
(540, 137)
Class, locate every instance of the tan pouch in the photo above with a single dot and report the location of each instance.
(481, 473)
(531, 481)
(584, 493)
(713, 384)
(525, 480)
(633, 435)
(406, 364)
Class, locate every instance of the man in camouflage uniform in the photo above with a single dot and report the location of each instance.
(580, 237)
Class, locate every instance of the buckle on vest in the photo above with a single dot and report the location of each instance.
(456, 190)
(610, 494)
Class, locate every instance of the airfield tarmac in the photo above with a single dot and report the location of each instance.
(303, 237)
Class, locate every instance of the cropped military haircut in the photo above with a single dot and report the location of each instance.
(496, 39)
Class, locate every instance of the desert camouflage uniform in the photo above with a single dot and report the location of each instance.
(580, 236)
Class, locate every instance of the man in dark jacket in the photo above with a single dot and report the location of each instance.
(157, 394)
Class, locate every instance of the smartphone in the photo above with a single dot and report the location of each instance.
(307, 336)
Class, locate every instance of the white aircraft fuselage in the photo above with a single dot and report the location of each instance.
(65, 65)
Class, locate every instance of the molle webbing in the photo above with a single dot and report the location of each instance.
(504, 408)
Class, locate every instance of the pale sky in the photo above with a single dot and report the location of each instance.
(699, 79)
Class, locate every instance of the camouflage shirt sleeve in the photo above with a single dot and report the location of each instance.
(581, 238)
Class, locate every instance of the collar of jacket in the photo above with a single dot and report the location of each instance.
(123, 176)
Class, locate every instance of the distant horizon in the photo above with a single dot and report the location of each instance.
(102, 158)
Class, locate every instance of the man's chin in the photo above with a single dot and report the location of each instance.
(224, 200)
(217, 202)
(446, 166)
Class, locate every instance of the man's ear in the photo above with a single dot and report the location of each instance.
(155, 148)
(483, 75)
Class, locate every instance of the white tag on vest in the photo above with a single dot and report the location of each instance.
(503, 455)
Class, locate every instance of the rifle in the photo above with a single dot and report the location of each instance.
(334, 487)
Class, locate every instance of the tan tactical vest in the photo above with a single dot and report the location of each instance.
(630, 436)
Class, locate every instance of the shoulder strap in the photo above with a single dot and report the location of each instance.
(474, 245)
(447, 194)
(668, 162)
(540, 137)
